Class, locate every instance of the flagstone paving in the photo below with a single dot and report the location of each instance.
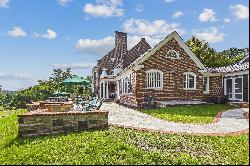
(231, 121)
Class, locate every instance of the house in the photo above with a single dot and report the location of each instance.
(168, 71)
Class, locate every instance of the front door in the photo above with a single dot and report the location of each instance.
(234, 88)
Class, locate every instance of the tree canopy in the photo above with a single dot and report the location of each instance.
(210, 57)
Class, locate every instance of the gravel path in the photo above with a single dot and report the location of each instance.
(231, 121)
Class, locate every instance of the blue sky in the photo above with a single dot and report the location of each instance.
(37, 36)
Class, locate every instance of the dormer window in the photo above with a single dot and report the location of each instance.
(173, 54)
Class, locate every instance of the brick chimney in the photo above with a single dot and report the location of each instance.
(121, 41)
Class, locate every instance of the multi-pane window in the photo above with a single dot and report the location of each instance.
(206, 84)
(173, 54)
(154, 79)
(126, 84)
(189, 81)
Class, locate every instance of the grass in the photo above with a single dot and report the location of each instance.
(4, 112)
(197, 114)
(119, 146)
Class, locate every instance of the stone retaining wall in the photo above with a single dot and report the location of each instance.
(48, 123)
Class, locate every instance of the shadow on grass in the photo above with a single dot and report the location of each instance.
(19, 140)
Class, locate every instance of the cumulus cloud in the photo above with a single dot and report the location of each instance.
(177, 14)
(207, 15)
(103, 46)
(155, 28)
(169, 1)
(104, 8)
(50, 34)
(240, 11)
(96, 47)
(4, 76)
(79, 65)
(16, 32)
(4, 3)
(139, 8)
(152, 31)
(211, 35)
(63, 2)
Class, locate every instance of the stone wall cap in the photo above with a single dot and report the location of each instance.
(42, 113)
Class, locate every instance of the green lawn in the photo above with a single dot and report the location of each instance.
(4, 112)
(189, 114)
(119, 146)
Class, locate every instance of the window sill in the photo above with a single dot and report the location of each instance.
(155, 88)
(205, 92)
(189, 89)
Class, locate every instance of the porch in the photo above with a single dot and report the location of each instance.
(108, 90)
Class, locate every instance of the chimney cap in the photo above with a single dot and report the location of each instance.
(143, 39)
(122, 33)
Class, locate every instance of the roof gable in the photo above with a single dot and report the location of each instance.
(182, 44)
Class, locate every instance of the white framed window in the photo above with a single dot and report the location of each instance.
(206, 84)
(189, 81)
(154, 79)
(126, 85)
(173, 54)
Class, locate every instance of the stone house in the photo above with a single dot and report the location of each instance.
(168, 71)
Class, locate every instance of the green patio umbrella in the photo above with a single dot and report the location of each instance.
(76, 81)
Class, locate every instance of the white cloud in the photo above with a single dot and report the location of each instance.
(63, 2)
(240, 11)
(139, 8)
(96, 47)
(211, 35)
(177, 14)
(207, 15)
(79, 65)
(169, 1)
(16, 32)
(4, 76)
(4, 3)
(103, 46)
(104, 8)
(156, 28)
(227, 20)
(50, 34)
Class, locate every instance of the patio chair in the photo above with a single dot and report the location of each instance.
(93, 104)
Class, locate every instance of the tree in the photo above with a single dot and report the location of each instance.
(233, 55)
(209, 57)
